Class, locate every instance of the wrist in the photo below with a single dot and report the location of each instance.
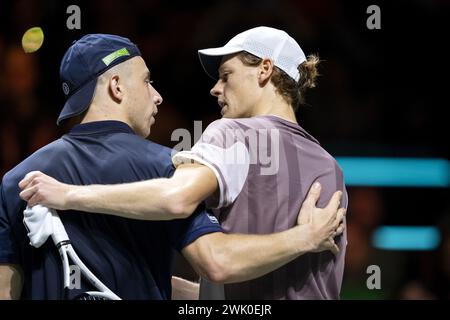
(304, 239)
(73, 196)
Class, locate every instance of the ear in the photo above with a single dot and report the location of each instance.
(265, 71)
(115, 88)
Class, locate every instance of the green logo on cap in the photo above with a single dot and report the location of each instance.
(116, 54)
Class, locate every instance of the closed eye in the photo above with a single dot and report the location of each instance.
(224, 77)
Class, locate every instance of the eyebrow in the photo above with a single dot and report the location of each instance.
(147, 74)
(222, 69)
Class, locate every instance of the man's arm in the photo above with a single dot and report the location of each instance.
(10, 282)
(157, 199)
(226, 258)
(183, 289)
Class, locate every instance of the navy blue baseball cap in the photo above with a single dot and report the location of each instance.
(83, 62)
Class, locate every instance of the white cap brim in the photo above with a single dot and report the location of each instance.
(211, 58)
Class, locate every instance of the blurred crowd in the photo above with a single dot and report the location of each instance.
(350, 111)
(404, 274)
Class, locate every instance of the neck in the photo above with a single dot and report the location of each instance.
(97, 112)
(275, 105)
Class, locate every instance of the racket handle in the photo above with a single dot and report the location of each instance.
(59, 232)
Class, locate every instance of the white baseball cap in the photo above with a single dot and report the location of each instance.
(263, 42)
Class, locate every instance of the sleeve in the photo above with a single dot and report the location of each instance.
(156, 161)
(223, 149)
(9, 252)
(182, 232)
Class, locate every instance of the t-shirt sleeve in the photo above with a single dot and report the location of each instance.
(8, 247)
(156, 161)
(223, 149)
(182, 232)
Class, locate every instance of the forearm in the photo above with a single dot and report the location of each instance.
(246, 257)
(145, 200)
(231, 258)
(156, 199)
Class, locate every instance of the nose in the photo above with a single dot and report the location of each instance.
(216, 90)
(157, 98)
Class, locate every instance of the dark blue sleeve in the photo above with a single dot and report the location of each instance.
(169, 168)
(9, 252)
(184, 231)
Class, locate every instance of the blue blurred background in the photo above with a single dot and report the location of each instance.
(377, 108)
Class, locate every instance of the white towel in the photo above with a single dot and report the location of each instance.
(38, 221)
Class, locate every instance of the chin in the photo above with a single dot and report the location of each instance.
(147, 133)
(148, 129)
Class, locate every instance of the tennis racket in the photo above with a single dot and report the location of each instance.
(66, 251)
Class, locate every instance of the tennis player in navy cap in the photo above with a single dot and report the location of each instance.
(108, 89)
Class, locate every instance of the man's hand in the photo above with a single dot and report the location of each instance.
(322, 225)
(38, 188)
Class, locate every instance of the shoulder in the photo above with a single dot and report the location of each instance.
(152, 150)
(231, 130)
(220, 125)
(319, 156)
(135, 142)
(146, 156)
(40, 160)
(241, 123)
